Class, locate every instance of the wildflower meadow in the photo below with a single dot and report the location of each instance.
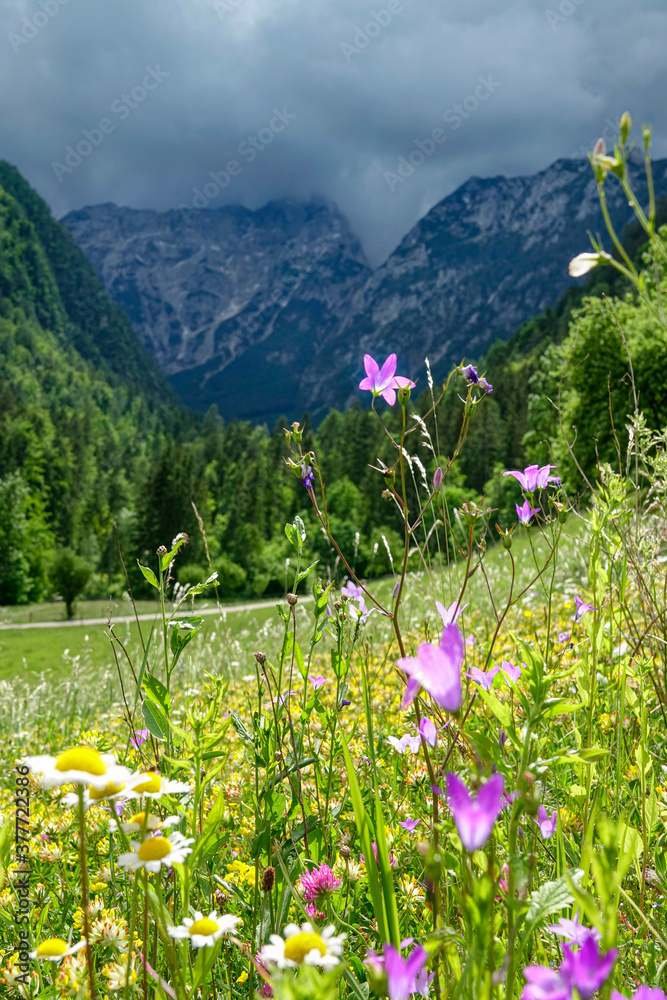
(447, 782)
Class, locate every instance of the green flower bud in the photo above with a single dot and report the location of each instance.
(625, 126)
(404, 396)
(389, 477)
(647, 132)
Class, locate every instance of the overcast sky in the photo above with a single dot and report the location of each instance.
(183, 84)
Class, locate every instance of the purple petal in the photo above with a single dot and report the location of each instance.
(387, 372)
(372, 368)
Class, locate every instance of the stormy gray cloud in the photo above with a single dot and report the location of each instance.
(382, 107)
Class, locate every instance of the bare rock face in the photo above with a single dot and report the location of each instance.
(270, 312)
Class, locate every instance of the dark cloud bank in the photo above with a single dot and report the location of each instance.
(382, 107)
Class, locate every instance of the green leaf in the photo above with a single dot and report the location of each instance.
(168, 556)
(304, 573)
(157, 692)
(212, 581)
(366, 836)
(149, 575)
(547, 900)
(210, 831)
(155, 720)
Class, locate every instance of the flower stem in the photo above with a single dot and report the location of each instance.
(84, 892)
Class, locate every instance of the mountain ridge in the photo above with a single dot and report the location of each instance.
(281, 305)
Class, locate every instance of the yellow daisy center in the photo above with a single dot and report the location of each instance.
(139, 819)
(150, 783)
(81, 759)
(102, 793)
(300, 945)
(154, 849)
(51, 948)
(203, 927)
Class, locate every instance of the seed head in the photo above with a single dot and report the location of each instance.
(292, 600)
(261, 658)
(162, 550)
(221, 899)
(268, 879)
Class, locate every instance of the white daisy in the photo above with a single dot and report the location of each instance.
(303, 944)
(55, 949)
(140, 821)
(153, 786)
(78, 766)
(93, 796)
(154, 852)
(205, 930)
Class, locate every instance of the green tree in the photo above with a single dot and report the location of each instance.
(69, 575)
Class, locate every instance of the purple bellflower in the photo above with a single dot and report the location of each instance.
(475, 818)
(402, 972)
(307, 476)
(573, 931)
(483, 678)
(410, 824)
(510, 672)
(584, 970)
(437, 669)
(563, 636)
(140, 736)
(317, 682)
(547, 826)
(437, 479)
(384, 381)
(407, 742)
(641, 993)
(470, 373)
(451, 614)
(525, 512)
(582, 609)
(428, 732)
(533, 477)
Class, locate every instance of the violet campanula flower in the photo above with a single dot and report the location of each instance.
(525, 512)
(318, 884)
(475, 818)
(510, 672)
(470, 373)
(437, 479)
(428, 732)
(573, 931)
(317, 682)
(582, 609)
(544, 984)
(307, 477)
(407, 742)
(352, 591)
(641, 993)
(483, 678)
(586, 969)
(533, 477)
(140, 736)
(451, 614)
(410, 824)
(402, 973)
(483, 384)
(563, 636)
(384, 381)
(438, 669)
(547, 826)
